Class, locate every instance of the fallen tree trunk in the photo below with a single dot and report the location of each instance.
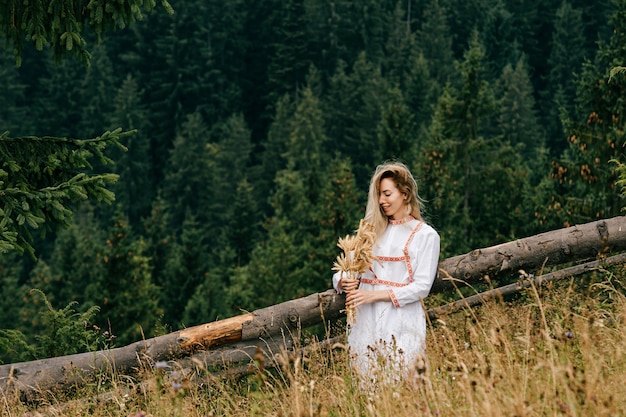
(572, 244)
(474, 300)
(33, 378)
(561, 246)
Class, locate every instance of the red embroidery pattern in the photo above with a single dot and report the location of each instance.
(406, 251)
(377, 281)
(406, 258)
(389, 258)
(394, 300)
(401, 221)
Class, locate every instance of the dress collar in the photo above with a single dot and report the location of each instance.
(401, 221)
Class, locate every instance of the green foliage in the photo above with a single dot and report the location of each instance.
(584, 180)
(124, 289)
(621, 182)
(396, 129)
(566, 58)
(262, 122)
(42, 177)
(15, 347)
(60, 25)
(66, 330)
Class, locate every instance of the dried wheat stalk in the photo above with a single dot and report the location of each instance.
(356, 257)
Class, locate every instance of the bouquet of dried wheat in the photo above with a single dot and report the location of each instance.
(356, 257)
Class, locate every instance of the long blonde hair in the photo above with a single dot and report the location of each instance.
(406, 184)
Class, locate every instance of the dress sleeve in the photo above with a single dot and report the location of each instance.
(424, 252)
(336, 278)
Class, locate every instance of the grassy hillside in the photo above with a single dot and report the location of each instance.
(557, 351)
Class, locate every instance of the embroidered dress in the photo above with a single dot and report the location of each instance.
(389, 336)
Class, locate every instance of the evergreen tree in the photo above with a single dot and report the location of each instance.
(566, 58)
(185, 269)
(517, 120)
(126, 295)
(470, 174)
(73, 262)
(135, 189)
(59, 89)
(584, 180)
(231, 158)
(273, 158)
(62, 25)
(279, 264)
(189, 173)
(499, 38)
(435, 41)
(401, 47)
(12, 89)
(42, 178)
(396, 130)
(11, 292)
(353, 106)
(421, 93)
(97, 93)
(291, 58)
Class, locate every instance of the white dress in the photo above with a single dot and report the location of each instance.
(388, 337)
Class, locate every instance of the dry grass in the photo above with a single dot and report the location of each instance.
(555, 352)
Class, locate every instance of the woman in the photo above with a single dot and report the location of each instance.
(389, 333)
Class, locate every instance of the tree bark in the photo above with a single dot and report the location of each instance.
(266, 325)
(572, 244)
(275, 325)
(474, 300)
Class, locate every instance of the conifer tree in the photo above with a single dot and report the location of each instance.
(498, 36)
(11, 292)
(435, 41)
(97, 94)
(470, 174)
(273, 158)
(396, 130)
(279, 264)
(584, 179)
(135, 190)
(353, 108)
(59, 89)
(186, 268)
(567, 55)
(61, 25)
(125, 293)
(12, 95)
(185, 187)
(517, 120)
(42, 178)
(292, 56)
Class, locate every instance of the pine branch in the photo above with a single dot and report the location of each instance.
(41, 178)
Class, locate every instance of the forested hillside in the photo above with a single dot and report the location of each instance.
(259, 123)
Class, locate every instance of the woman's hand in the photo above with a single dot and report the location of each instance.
(359, 297)
(349, 284)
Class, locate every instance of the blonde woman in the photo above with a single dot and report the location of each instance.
(389, 334)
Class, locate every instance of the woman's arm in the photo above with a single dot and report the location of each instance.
(424, 261)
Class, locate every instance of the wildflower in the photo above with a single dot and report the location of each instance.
(161, 365)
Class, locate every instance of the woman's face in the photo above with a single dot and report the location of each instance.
(391, 200)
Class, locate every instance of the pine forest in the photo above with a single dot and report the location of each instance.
(231, 143)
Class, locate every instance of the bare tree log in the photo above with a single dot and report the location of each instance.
(474, 300)
(33, 378)
(576, 243)
(551, 248)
